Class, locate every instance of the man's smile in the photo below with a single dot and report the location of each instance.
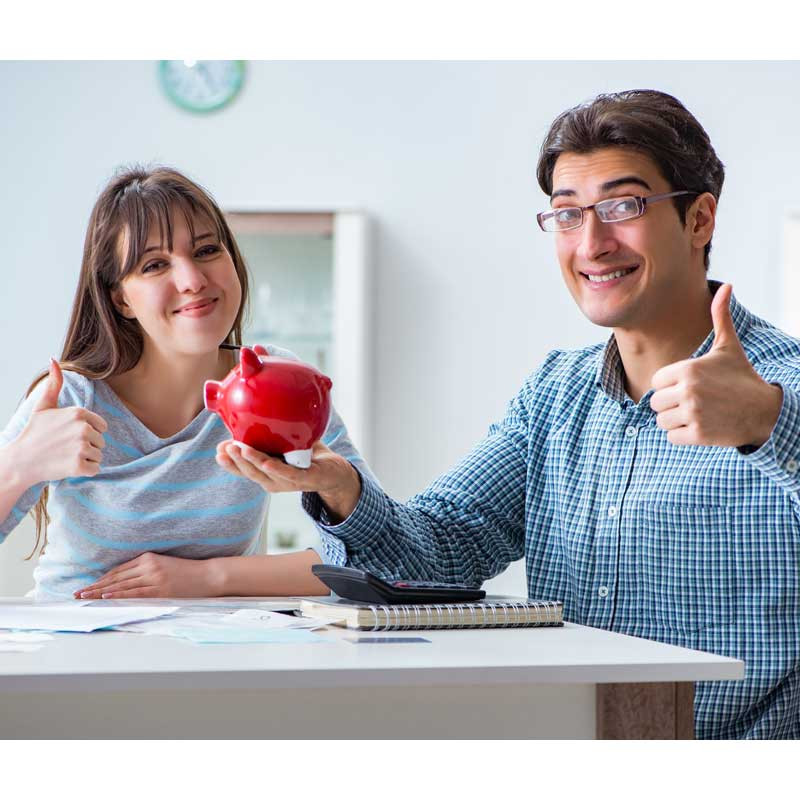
(607, 278)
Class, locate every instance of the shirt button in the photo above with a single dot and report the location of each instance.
(612, 511)
(602, 591)
(631, 431)
(791, 466)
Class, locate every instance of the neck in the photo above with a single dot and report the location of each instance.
(166, 390)
(663, 340)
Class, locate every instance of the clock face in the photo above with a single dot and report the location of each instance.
(201, 85)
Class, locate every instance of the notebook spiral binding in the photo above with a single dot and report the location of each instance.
(444, 616)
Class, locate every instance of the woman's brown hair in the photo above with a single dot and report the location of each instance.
(100, 342)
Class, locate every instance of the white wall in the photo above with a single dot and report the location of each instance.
(442, 155)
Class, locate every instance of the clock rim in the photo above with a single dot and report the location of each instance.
(186, 105)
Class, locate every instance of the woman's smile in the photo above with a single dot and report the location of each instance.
(198, 308)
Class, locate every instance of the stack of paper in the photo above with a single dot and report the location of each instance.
(221, 621)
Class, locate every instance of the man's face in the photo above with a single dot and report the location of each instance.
(654, 251)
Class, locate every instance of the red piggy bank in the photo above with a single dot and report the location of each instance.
(278, 406)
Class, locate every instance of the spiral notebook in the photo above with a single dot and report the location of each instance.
(493, 612)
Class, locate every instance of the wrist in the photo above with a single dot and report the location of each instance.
(342, 501)
(15, 475)
(216, 576)
(772, 405)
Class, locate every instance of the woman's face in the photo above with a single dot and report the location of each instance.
(186, 300)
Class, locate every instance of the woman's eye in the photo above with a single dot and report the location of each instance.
(152, 266)
(208, 250)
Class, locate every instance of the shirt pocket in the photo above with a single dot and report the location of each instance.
(685, 565)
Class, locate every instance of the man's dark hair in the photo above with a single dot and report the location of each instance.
(654, 123)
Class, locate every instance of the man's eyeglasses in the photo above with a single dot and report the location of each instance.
(615, 209)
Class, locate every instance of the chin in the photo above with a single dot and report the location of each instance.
(606, 317)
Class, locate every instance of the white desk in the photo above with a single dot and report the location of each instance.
(570, 682)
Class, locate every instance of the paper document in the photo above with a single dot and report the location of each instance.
(22, 642)
(209, 603)
(215, 627)
(223, 634)
(74, 617)
(266, 620)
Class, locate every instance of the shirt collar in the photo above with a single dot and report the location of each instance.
(609, 375)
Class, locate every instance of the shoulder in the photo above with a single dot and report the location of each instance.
(772, 351)
(564, 370)
(554, 387)
(281, 352)
(76, 390)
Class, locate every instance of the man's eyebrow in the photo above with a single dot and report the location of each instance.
(606, 187)
(609, 185)
(196, 239)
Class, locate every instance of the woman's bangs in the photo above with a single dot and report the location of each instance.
(144, 213)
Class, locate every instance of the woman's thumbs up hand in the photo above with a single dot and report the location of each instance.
(57, 442)
(719, 398)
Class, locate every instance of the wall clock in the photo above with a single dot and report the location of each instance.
(201, 85)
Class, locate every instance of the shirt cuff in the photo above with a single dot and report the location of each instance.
(779, 457)
(363, 527)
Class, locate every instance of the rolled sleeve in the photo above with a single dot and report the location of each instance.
(361, 529)
(779, 457)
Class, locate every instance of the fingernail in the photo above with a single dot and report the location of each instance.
(106, 595)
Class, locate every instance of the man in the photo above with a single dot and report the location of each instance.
(652, 482)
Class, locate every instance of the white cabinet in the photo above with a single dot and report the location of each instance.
(310, 293)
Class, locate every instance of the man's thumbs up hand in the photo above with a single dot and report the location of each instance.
(725, 337)
(54, 382)
(716, 399)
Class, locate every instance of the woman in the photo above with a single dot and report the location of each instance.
(117, 438)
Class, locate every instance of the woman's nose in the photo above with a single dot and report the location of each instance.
(597, 238)
(188, 276)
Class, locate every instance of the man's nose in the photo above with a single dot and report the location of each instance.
(597, 238)
(188, 276)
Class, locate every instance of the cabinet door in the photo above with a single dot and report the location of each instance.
(309, 293)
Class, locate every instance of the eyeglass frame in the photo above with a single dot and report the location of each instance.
(641, 201)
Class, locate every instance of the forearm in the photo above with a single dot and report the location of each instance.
(267, 576)
(465, 528)
(12, 483)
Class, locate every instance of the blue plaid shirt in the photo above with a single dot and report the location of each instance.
(693, 546)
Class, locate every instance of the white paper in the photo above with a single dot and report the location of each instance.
(251, 622)
(76, 618)
(264, 619)
(24, 637)
(208, 603)
(11, 647)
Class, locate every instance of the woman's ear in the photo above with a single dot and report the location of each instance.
(118, 299)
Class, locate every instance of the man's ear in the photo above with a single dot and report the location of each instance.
(118, 299)
(700, 219)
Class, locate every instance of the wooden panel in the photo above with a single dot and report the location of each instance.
(645, 711)
(280, 222)
(684, 705)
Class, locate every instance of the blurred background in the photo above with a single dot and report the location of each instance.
(451, 294)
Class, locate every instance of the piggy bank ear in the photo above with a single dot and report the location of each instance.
(249, 362)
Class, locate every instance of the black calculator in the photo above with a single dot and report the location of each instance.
(355, 584)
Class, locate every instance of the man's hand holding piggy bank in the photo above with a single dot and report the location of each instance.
(276, 409)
